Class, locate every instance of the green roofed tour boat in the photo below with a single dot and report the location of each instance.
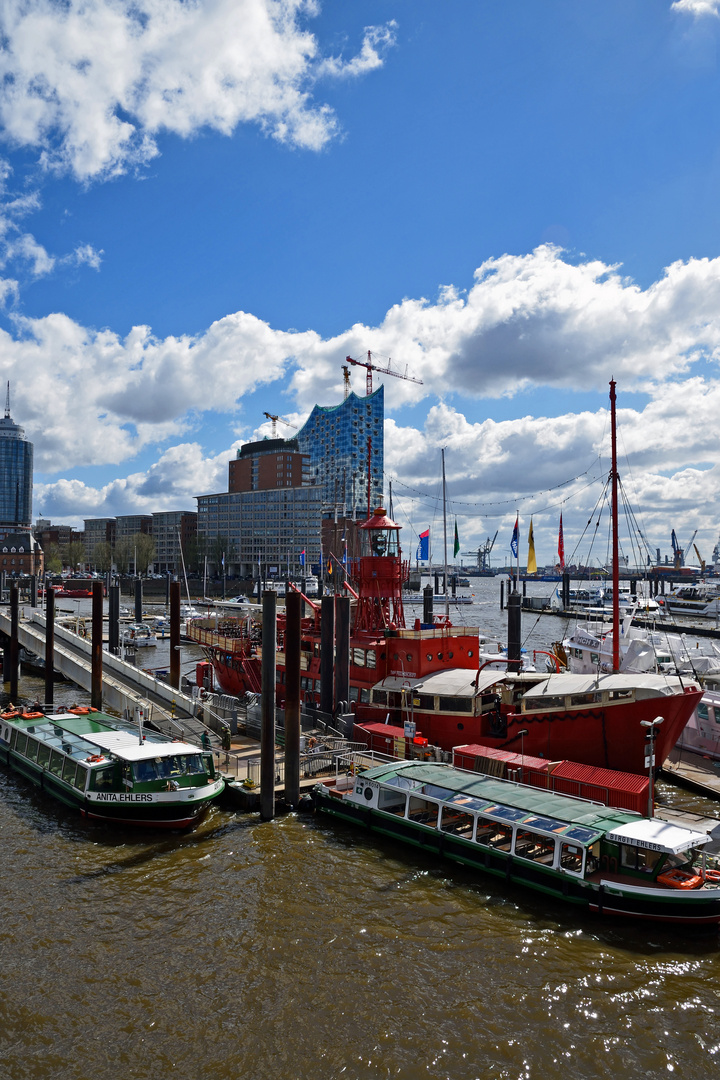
(110, 769)
(613, 862)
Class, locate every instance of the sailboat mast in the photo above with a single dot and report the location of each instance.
(447, 601)
(615, 547)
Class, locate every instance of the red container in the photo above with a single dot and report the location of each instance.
(626, 791)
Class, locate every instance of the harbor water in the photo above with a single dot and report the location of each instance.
(305, 948)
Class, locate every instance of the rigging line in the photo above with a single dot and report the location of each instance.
(498, 502)
(599, 500)
(553, 506)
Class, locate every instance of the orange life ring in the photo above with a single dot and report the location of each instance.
(680, 879)
(712, 875)
(32, 715)
(80, 710)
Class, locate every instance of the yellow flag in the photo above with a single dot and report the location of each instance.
(532, 562)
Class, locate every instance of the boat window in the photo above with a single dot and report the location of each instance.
(510, 813)
(57, 761)
(80, 778)
(546, 823)
(437, 792)
(455, 704)
(43, 756)
(353, 693)
(425, 701)
(639, 858)
(32, 749)
(702, 711)
(584, 836)
(486, 829)
(586, 699)
(364, 695)
(592, 859)
(533, 846)
(500, 836)
(358, 657)
(423, 811)
(379, 697)
(392, 801)
(468, 802)
(370, 658)
(69, 768)
(571, 858)
(716, 713)
(552, 701)
(21, 743)
(457, 822)
(104, 779)
(403, 782)
(618, 695)
(594, 658)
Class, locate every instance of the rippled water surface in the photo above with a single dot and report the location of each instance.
(305, 948)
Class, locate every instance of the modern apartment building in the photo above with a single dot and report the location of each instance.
(173, 532)
(345, 445)
(16, 475)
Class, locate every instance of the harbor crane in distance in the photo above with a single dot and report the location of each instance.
(701, 560)
(483, 553)
(274, 419)
(370, 367)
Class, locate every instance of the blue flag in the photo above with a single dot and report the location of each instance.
(423, 549)
(302, 557)
(514, 541)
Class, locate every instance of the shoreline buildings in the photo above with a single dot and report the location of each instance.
(19, 551)
(283, 493)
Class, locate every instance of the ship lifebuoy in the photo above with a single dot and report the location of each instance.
(712, 875)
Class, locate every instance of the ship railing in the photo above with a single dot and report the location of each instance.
(314, 761)
(356, 761)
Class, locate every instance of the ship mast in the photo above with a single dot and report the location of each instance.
(447, 601)
(615, 548)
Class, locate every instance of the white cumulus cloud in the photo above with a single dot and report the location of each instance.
(92, 83)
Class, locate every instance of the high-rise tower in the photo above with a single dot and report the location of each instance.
(16, 473)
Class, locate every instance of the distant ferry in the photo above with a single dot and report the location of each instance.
(108, 769)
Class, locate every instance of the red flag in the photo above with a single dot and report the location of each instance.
(561, 546)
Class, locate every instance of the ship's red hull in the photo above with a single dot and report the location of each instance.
(611, 736)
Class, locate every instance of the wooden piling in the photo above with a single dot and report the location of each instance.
(293, 615)
(114, 619)
(14, 643)
(139, 600)
(342, 652)
(514, 609)
(327, 642)
(96, 645)
(49, 645)
(175, 634)
(267, 729)
(427, 604)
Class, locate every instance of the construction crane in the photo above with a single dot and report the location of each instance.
(370, 367)
(274, 419)
(700, 559)
(483, 553)
(346, 381)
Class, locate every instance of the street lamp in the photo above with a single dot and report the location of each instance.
(522, 735)
(652, 725)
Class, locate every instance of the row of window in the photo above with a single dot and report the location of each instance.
(54, 761)
(521, 842)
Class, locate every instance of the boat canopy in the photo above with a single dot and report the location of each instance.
(455, 682)
(644, 685)
(125, 745)
(579, 819)
(657, 836)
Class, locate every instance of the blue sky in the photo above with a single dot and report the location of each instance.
(206, 207)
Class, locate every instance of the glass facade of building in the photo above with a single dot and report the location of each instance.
(335, 438)
(16, 475)
(271, 527)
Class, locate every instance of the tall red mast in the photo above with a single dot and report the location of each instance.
(615, 546)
